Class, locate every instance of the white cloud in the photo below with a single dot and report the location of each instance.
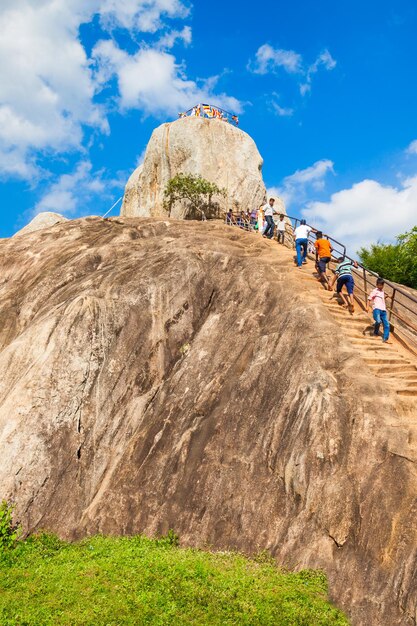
(139, 15)
(324, 60)
(312, 174)
(366, 212)
(15, 165)
(295, 188)
(48, 83)
(170, 39)
(73, 192)
(152, 81)
(269, 59)
(412, 148)
(282, 111)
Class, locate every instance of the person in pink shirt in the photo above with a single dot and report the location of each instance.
(377, 298)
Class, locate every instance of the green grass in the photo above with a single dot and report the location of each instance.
(115, 581)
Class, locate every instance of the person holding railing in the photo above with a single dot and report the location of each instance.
(377, 298)
(301, 234)
(269, 211)
(323, 257)
(230, 219)
(343, 275)
(253, 218)
(241, 220)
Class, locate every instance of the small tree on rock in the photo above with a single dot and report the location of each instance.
(195, 190)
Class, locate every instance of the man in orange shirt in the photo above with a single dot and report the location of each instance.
(323, 257)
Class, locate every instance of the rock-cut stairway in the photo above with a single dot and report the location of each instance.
(389, 362)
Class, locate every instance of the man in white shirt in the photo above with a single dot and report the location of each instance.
(269, 211)
(301, 234)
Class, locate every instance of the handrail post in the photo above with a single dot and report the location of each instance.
(394, 291)
(406, 331)
(365, 285)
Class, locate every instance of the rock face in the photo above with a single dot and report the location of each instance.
(160, 374)
(40, 221)
(217, 151)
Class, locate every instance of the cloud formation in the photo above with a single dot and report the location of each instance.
(49, 84)
(46, 85)
(152, 81)
(295, 189)
(169, 39)
(271, 60)
(412, 148)
(324, 60)
(367, 212)
(281, 111)
(74, 192)
(137, 15)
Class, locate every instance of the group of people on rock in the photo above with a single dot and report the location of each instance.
(210, 111)
(262, 220)
(343, 276)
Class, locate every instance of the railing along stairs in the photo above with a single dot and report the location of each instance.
(401, 305)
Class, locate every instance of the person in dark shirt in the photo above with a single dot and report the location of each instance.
(230, 217)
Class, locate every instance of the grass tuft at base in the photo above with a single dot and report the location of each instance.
(136, 580)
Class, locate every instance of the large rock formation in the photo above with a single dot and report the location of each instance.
(161, 374)
(42, 220)
(220, 152)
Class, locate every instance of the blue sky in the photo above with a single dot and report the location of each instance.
(327, 90)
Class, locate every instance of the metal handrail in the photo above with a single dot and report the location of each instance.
(297, 220)
(370, 272)
(404, 329)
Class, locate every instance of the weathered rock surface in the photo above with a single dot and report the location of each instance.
(220, 152)
(40, 221)
(162, 374)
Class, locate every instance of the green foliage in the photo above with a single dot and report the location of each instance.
(396, 262)
(9, 532)
(45, 544)
(196, 190)
(171, 539)
(135, 580)
(264, 558)
(381, 258)
(408, 255)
